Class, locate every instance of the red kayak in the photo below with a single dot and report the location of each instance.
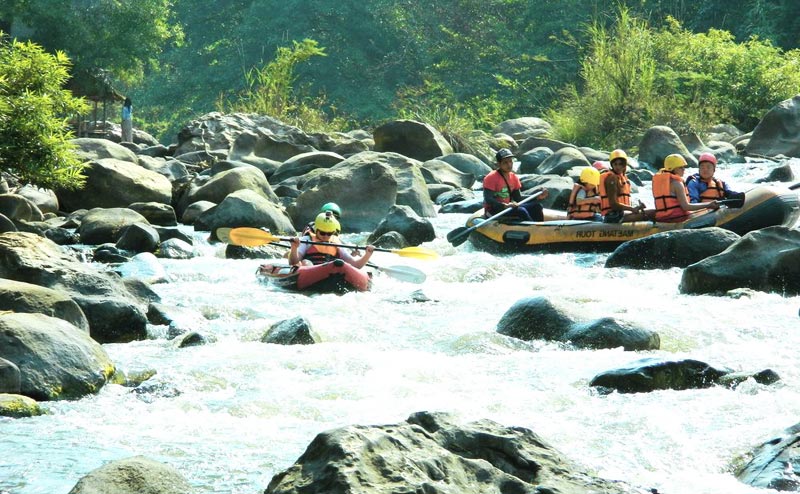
(330, 277)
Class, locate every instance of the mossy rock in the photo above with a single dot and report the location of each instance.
(19, 406)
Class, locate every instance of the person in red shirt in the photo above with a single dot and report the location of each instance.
(502, 189)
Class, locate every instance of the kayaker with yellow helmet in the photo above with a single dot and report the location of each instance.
(670, 192)
(325, 228)
(584, 200)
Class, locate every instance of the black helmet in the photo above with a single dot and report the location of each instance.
(503, 153)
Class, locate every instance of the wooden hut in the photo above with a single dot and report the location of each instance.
(96, 88)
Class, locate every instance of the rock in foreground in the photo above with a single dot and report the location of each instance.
(430, 453)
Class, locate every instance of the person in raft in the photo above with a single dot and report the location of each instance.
(502, 190)
(703, 187)
(584, 200)
(325, 227)
(329, 206)
(615, 193)
(671, 194)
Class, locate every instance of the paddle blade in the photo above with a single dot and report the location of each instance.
(458, 236)
(251, 237)
(223, 234)
(416, 253)
(403, 273)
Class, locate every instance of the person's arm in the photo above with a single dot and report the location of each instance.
(491, 200)
(358, 262)
(581, 198)
(678, 191)
(694, 189)
(297, 252)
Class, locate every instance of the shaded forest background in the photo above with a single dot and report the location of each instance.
(459, 63)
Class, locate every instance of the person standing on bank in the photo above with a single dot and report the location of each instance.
(127, 122)
(502, 190)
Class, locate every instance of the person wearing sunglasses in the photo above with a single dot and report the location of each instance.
(330, 206)
(326, 226)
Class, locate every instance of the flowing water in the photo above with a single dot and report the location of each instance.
(246, 410)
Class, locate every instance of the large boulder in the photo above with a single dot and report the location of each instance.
(539, 318)
(772, 463)
(134, 475)
(90, 149)
(778, 132)
(16, 296)
(303, 163)
(112, 183)
(56, 360)
(246, 208)
(410, 138)
(561, 161)
(115, 313)
(467, 163)
(100, 226)
(45, 199)
(676, 248)
(523, 127)
(766, 260)
(440, 172)
(658, 143)
(267, 150)
(382, 180)
(220, 185)
(403, 220)
(431, 453)
(17, 207)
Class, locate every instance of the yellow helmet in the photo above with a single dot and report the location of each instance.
(674, 161)
(617, 154)
(590, 176)
(326, 222)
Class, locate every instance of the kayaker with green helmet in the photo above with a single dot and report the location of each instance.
(328, 206)
(325, 227)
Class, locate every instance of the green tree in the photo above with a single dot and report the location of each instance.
(123, 38)
(34, 135)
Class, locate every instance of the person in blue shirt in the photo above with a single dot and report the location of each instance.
(703, 187)
(127, 122)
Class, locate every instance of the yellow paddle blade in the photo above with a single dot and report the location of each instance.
(251, 237)
(416, 252)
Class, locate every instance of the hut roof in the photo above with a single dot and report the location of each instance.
(94, 86)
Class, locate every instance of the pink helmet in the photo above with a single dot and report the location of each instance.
(707, 157)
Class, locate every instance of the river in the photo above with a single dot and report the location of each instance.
(246, 410)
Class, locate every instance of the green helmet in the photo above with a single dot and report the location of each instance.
(332, 207)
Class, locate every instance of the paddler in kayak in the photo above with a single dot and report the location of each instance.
(325, 228)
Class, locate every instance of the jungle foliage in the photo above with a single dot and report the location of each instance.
(34, 135)
(459, 64)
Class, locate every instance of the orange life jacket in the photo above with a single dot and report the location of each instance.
(623, 191)
(714, 192)
(319, 254)
(667, 206)
(582, 211)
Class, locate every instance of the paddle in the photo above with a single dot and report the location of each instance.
(460, 234)
(253, 237)
(734, 202)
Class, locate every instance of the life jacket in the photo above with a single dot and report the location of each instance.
(582, 211)
(623, 191)
(320, 254)
(667, 206)
(715, 190)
